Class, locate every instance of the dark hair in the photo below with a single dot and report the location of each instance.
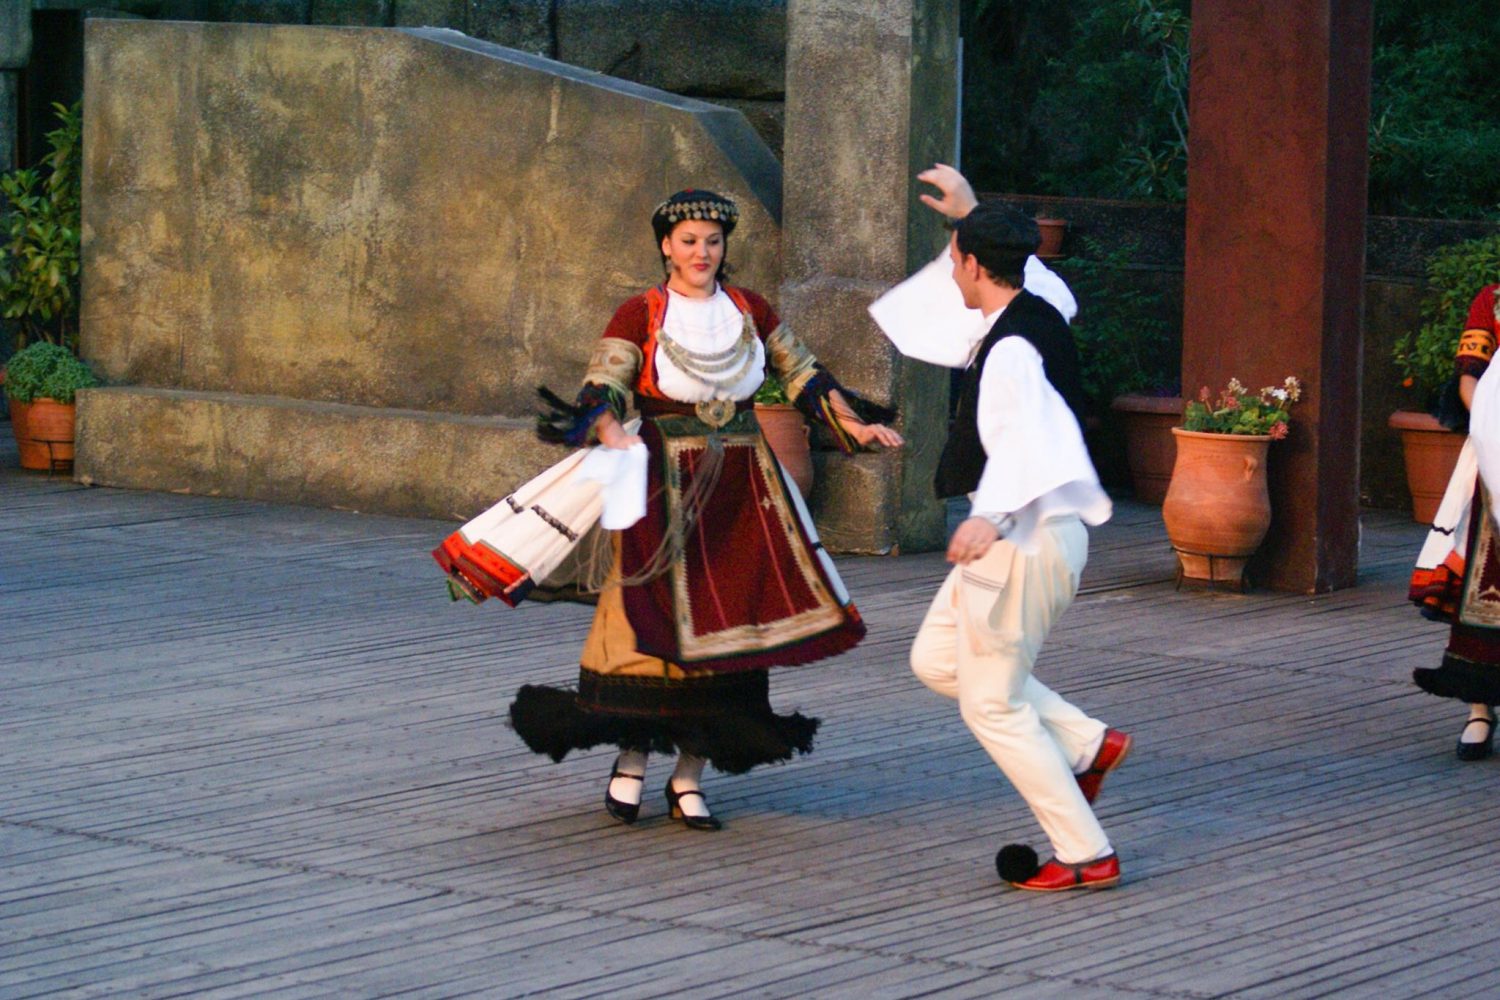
(1000, 238)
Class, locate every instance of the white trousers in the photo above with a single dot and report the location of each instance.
(978, 643)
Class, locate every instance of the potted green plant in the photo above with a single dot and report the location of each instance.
(41, 381)
(1424, 359)
(785, 431)
(1127, 360)
(39, 239)
(1218, 508)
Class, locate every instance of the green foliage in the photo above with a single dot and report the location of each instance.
(46, 371)
(1088, 98)
(771, 391)
(1122, 330)
(1239, 411)
(39, 239)
(1434, 139)
(1455, 274)
(1077, 97)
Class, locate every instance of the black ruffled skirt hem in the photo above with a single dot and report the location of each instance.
(1477, 683)
(734, 739)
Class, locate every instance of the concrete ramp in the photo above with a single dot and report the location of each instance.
(309, 251)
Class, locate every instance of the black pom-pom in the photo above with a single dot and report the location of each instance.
(1017, 863)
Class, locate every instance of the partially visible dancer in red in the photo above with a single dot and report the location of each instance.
(1457, 577)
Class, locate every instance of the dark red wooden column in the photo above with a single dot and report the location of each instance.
(1280, 95)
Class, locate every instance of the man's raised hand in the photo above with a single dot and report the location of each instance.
(957, 197)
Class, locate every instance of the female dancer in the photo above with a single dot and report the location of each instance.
(1457, 579)
(724, 576)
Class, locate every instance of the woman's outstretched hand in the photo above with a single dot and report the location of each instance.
(957, 198)
(873, 434)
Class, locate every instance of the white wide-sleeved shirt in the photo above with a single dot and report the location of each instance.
(1036, 465)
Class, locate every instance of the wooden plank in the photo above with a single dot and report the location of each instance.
(276, 764)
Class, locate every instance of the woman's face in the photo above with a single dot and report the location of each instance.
(694, 250)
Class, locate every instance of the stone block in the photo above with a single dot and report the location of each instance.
(732, 48)
(296, 451)
(768, 118)
(518, 24)
(431, 13)
(9, 117)
(235, 11)
(386, 218)
(15, 34)
(871, 99)
(829, 315)
(871, 92)
(391, 219)
(350, 12)
(256, 11)
(856, 502)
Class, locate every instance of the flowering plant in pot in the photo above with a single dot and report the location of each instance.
(1218, 508)
(41, 381)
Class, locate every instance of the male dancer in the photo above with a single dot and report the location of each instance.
(1017, 449)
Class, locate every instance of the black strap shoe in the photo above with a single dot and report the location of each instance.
(1482, 749)
(625, 812)
(674, 798)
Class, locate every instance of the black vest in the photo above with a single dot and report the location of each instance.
(1034, 319)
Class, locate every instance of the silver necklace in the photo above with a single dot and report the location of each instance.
(705, 367)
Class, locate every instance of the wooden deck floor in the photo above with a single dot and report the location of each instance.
(251, 750)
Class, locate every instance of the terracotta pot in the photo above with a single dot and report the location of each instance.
(786, 433)
(44, 433)
(1053, 231)
(1217, 507)
(1431, 452)
(18, 421)
(1150, 448)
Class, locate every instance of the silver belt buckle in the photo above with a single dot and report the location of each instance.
(715, 412)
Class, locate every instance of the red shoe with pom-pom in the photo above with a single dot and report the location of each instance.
(1055, 876)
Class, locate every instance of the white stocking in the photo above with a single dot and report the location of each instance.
(628, 790)
(685, 777)
(1476, 734)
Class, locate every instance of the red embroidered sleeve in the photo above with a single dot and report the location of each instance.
(629, 321)
(1476, 345)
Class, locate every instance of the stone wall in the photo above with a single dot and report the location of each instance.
(729, 51)
(872, 100)
(409, 222)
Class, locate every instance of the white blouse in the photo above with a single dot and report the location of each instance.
(705, 326)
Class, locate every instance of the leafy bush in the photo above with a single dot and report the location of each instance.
(1087, 98)
(1434, 140)
(1036, 77)
(46, 371)
(1455, 274)
(1123, 330)
(39, 239)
